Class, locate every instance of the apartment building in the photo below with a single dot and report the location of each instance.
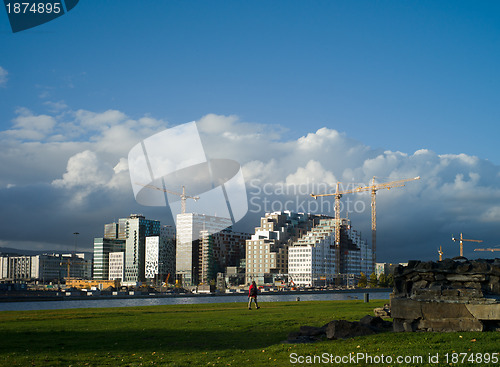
(267, 249)
(218, 251)
(313, 257)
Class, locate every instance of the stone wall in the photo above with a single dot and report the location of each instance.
(451, 295)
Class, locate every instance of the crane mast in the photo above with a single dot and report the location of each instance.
(374, 188)
(338, 194)
(182, 195)
(462, 240)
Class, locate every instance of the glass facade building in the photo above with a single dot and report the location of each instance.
(102, 248)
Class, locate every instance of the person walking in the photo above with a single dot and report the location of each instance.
(252, 295)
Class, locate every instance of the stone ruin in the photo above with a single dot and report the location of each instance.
(340, 329)
(451, 295)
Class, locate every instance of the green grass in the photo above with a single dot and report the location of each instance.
(208, 335)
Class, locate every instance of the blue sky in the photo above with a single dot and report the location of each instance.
(392, 75)
(398, 75)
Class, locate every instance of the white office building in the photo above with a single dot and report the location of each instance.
(189, 228)
(116, 265)
(137, 228)
(160, 255)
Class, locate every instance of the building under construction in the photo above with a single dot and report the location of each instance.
(267, 249)
(218, 251)
(303, 247)
(312, 259)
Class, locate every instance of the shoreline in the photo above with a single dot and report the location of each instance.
(60, 296)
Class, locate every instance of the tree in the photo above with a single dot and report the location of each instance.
(382, 281)
(390, 281)
(373, 280)
(362, 280)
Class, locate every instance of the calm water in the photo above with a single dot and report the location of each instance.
(56, 305)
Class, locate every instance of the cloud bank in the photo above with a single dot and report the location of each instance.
(66, 170)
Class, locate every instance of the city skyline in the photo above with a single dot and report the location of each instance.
(298, 94)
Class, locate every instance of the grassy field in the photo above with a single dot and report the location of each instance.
(225, 334)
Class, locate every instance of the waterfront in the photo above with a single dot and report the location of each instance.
(134, 302)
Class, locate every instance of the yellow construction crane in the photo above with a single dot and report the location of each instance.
(487, 249)
(68, 262)
(461, 239)
(373, 188)
(338, 194)
(69, 265)
(440, 252)
(183, 195)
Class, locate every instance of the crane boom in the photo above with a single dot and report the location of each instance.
(183, 195)
(373, 188)
(487, 249)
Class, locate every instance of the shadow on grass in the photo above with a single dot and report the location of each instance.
(149, 340)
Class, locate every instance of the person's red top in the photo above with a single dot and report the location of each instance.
(252, 291)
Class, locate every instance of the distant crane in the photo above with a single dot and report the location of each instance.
(373, 188)
(440, 252)
(487, 249)
(461, 239)
(69, 265)
(69, 262)
(183, 196)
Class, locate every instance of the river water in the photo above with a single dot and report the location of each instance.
(132, 302)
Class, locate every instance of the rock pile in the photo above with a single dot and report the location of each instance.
(451, 295)
(383, 312)
(339, 329)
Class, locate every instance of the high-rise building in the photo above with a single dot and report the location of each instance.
(128, 235)
(267, 249)
(137, 229)
(102, 248)
(116, 230)
(189, 227)
(218, 251)
(116, 265)
(160, 255)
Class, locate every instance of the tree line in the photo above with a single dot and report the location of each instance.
(383, 281)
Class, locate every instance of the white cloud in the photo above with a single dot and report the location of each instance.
(312, 172)
(80, 156)
(99, 121)
(3, 77)
(27, 126)
(85, 170)
(56, 106)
